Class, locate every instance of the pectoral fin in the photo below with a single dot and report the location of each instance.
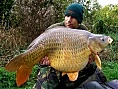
(72, 76)
(97, 61)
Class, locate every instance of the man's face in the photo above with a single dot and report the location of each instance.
(71, 22)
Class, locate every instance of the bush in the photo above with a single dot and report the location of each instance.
(8, 79)
(5, 7)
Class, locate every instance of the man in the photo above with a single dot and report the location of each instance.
(49, 78)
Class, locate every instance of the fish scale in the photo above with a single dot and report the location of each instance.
(68, 51)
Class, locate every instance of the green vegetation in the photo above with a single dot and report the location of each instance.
(110, 69)
(8, 79)
(21, 22)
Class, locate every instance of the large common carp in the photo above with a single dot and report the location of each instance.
(68, 51)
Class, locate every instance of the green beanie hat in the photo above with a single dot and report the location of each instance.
(75, 10)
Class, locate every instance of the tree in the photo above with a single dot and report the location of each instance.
(109, 16)
(91, 6)
(34, 16)
(5, 7)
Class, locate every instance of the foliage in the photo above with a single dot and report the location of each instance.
(110, 69)
(108, 14)
(106, 18)
(5, 7)
(91, 6)
(8, 79)
(11, 43)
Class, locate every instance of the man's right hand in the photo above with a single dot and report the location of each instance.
(45, 61)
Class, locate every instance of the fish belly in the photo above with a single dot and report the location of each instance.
(70, 62)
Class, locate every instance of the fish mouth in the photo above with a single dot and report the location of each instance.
(110, 40)
(101, 51)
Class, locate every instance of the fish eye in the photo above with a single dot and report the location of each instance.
(102, 39)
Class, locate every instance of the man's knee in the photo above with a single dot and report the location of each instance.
(93, 85)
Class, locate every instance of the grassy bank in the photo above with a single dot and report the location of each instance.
(110, 69)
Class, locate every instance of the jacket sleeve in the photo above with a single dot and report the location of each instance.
(82, 27)
(47, 78)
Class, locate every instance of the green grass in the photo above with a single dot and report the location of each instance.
(8, 79)
(110, 69)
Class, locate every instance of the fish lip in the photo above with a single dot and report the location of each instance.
(110, 40)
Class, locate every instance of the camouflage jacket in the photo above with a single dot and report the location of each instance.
(81, 26)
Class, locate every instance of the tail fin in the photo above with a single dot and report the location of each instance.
(22, 70)
(23, 74)
(14, 64)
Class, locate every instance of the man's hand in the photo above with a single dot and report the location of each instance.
(45, 61)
